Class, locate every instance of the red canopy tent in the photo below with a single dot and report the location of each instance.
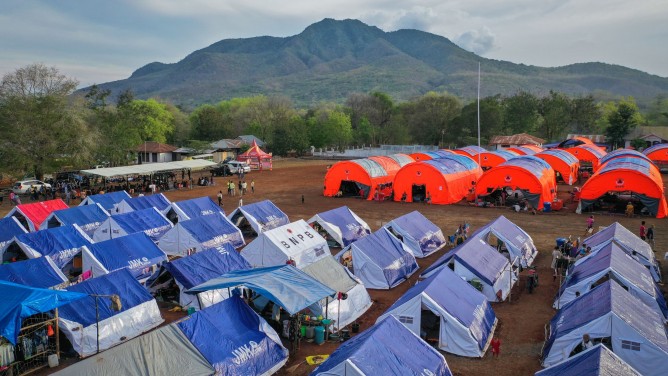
(256, 158)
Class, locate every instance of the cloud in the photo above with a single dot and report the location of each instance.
(479, 41)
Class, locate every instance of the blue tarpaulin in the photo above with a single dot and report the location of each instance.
(387, 348)
(420, 234)
(597, 361)
(19, 302)
(482, 260)
(284, 285)
(234, 339)
(59, 243)
(196, 207)
(149, 221)
(342, 225)
(629, 241)
(518, 243)
(262, 216)
(41, 272)
(9, 228)
(158, 201)
(206, 265)
(107, 200)
(207, 230)
(136, 252)
(87, 217)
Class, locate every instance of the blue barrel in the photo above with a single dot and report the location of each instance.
(547, 206)
(319, 335)
(561, 241)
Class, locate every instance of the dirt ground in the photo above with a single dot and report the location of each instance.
(522, 322)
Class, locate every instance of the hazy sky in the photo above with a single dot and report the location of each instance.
(97, 41)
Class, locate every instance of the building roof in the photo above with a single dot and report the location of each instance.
(155, 147)
(516, 139)
(643, 131)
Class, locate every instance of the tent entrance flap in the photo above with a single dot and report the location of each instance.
(418, 192)
(349, 188)
(430, 326)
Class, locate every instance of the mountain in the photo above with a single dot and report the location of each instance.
(331, 59)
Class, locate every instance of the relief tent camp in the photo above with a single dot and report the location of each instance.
(88, 217)
(253, 219)
(41, 272)
(421, 235)
(508, 237)
(194, 235)
(107, 200)
(589, 155)
(563, 163)
(341, 225)
(150, 221)
(139, 313)
(158, 201)
(33, 214)
(193, 208)
(9, 228)
(659, 155)
(596, 361)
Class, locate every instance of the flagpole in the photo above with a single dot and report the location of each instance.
(478, 112)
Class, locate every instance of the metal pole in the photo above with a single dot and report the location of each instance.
(57, 336)
(97, 325)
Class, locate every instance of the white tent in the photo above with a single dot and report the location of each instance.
(333, 275)
(342, 225)
(421, 235)
(295, 241)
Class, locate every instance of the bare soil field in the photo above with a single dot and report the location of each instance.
(522, 321)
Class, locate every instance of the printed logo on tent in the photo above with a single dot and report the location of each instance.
(419, 173)
(296, 240)
(619, 182)
(138, 263)
(485, 157)
(207, 212)
(244, 353)
(508, 178)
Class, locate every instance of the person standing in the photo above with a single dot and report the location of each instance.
(590, 224)
(650, 236)
(220, 198)
(496, 347)
(556, 255)
(252, 186)
(643, 231)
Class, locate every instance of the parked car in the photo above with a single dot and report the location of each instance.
(22, 187)
(236, 167)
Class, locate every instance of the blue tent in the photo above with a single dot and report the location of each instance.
(516, 241)
(284, 285)
(107, 200)
(193, 208)
(611, 261)
(19, 302)
(380, 260)
(139, 312)
(342, 225)
(466, 321)
(596, 361)
(634, 330)
(201, 267)
(149, 221)
(136, 252)
(61, 244)
(199, 233)
(158, 201)
(387, 348)
(9, 228)
(420, 235)
(41, 272)
(234, 339)
(629, 243)
(87, 217)
(260, 216)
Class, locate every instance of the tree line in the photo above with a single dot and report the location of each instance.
(44, 126)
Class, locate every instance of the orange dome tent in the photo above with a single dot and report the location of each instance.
(428, 155)
(469, 151)
(489, 159)
(526, 149)
(562, 162)
(588, 155)
(442, 181)
(621, 153)
(627, 174)
(659, 155)
(529, 174)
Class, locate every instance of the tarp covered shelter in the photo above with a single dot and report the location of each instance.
(284, 285)
(634, 330)
(164, 351)
(525, 149)
(611, 262)
(562, 162)
(20, 302)
(256, 158)
(463, 320)
(420, 234)
(627, 174)
(61, 244)
(107, 200)
(657, 153)
(139, 313)
(296, 241)
(333, 275)
(469, 151)
(188, 272)
(445, 180)
(622, 153)
(150, 168)
(87, 217)
(194, 235)
(158, 201)
(193, 208)
(596, 361)
(33, 214)
(428, 155)
(516, 241)
(475, 260)
(150, 221)
(587, 154)
(234, 339)
(387, 348)
(41, 272)
(380, 260)
(363, 176)
(489, 159)
(629, 242)
(259, 216)
(9, 228)
(342, 225)
(135, 252)
(533, 176)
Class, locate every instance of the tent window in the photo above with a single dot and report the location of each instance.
(406, 320)
(630, 345)
(319, 251)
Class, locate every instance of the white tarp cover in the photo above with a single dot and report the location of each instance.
(296, 241)
(165, 351)
(149, 168)
(333, 275)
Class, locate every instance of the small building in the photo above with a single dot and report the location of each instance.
(651, 135)
(521, 139)
(155, 152)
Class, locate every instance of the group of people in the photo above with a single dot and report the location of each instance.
(242, 186)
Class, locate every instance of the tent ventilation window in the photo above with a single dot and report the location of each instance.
(406, 320)
(319, 251)
(630, 345)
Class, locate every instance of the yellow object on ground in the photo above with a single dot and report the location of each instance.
(316, 359)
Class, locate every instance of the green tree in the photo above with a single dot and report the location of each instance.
(292, 136)
(430, 115)
(465, 127)
(555, 110)
(584, 114)
(622, 121)
(40, 126)
(208, 123)
(377, 108)
(520, 114)
(330, 126)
